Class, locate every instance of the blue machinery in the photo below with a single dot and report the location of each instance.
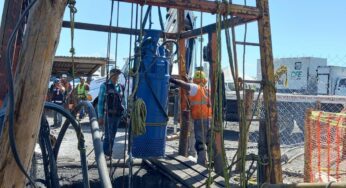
(153, 89)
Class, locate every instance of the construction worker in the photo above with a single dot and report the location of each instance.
(68, 90)
(201, 111)
(57, 97)
(82, 94)
(110, 108)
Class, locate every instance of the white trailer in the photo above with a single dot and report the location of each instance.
(301, 74)
(331, 80)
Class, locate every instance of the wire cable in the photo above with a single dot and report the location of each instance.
(9, 76)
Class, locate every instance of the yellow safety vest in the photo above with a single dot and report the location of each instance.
(81, 91)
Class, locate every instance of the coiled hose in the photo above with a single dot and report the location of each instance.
(138, 117)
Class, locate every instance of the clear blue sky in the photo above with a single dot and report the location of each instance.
(299, 28)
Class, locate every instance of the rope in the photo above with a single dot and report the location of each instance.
(234, 70)
(73, 11)
(138, 117)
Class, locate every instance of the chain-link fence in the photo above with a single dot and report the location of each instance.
(302, 83)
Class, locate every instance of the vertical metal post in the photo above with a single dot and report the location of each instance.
(183, 139)
(307, 147)
(269, 94)
(176, 111)
(218, 162)
(10, 16)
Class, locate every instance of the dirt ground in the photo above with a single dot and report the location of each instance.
(69, 160)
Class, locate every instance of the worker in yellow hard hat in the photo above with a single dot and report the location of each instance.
(201, 111)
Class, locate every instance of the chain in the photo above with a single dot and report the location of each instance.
(73, 11)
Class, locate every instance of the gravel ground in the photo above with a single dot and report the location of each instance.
(69, 161)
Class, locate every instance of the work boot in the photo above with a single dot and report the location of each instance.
(202, 158)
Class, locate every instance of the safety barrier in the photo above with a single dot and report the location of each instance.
(325, 147)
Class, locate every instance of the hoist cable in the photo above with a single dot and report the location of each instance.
(146, 17)
(117, 36)
(109, 39)
(126, 129)
(10, 111)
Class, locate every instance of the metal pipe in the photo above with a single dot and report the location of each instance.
(307, 185)
(99, 155)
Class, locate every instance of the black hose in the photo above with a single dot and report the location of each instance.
(80, 136)
(2, 119)
(46, 147)
(45, 161)
(98, 149)
(10, 106)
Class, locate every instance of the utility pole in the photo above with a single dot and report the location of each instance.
(34, 66)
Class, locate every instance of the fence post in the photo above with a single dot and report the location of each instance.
(307, 147)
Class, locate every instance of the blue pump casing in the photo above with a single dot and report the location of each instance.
(153, 89)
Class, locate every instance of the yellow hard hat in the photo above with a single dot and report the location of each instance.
(199, 77)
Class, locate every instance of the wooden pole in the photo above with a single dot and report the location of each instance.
(269, 94)
(32, 75)
(307, 147)
(183, 139)
(10, 16)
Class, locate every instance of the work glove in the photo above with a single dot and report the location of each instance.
(172, 80)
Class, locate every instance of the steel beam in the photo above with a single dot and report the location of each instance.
(212, 27)
(183, 97)
(106, 28)
(203, 6)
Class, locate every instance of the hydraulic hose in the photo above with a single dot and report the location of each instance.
(2, 118)
(51, 174)
(80, 136)
(9, 77)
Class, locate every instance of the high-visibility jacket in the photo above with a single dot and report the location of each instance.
(81, 92)
(200, 104)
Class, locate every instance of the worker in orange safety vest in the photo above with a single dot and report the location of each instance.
(201, 111)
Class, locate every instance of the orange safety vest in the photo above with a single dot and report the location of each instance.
(200, 104)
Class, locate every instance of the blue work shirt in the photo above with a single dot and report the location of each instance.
(102, 95)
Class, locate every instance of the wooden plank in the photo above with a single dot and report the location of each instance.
(182, 173)
(219, 181)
